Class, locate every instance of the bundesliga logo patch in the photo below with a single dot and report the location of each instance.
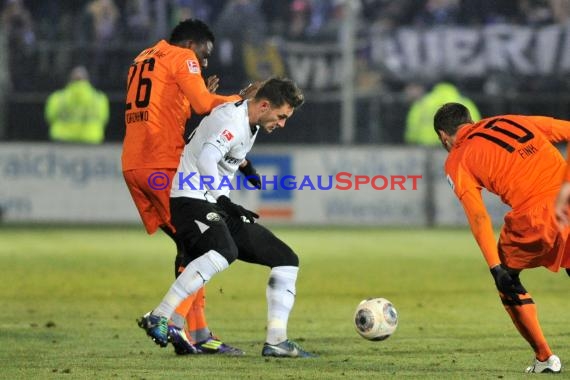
(193, 66)
(450, 181)
(227, 135)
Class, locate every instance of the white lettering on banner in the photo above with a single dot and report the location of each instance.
(433, 57)
(565, 51)
(63, 183)
(472, 52)
(313, 66)
(443, 51)
(463, 45)
(78, 169)
(457, 51)
(317, 72)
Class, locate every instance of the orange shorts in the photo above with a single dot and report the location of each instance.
(532, 238)
(150, 189)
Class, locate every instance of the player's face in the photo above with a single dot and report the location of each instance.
(272, 118)
(203, 51)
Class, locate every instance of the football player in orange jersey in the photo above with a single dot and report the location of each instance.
(513, 157)
(164, 85)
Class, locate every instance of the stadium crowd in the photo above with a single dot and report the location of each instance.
(47, 39)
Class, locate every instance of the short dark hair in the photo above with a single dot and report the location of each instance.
(450, 116)
(191, 29)
(280, 91)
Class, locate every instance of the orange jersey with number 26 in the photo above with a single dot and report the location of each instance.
(164, 84)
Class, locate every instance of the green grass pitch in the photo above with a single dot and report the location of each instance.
(69, 299)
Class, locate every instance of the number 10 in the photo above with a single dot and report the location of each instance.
(528, 135)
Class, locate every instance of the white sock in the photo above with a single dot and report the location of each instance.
(178, 320)
(280, 299)
(195, 275)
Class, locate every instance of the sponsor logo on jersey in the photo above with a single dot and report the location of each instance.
(232, 160)
(193, 66)
(227, 135)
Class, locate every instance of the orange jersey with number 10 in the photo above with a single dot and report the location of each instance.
(513, 157)
(164, 83)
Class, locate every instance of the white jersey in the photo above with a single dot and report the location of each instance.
(227, 129)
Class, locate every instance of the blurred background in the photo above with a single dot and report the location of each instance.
(374, 72)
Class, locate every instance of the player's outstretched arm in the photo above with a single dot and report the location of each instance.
(481, 226)
(212, 83)
(199, 94)
(250, 90)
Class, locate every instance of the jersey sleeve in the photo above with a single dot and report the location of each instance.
(189, 77)
(222, 134)
(207, 164)
(460, 178)
(555, 130)
(481, 226)
(468, 191)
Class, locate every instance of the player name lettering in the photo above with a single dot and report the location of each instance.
(133, 117)
(152, 51)
(527, 151)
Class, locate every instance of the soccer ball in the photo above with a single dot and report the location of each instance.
(375, 319)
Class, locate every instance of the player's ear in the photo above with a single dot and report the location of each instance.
(445, 139)
(264, 105)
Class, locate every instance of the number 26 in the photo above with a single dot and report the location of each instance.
(142, 98)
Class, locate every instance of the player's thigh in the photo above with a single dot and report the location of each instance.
(532, 238)
(199, 228)
(153, 204)
(256, 244)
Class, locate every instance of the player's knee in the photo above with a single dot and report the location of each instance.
(286, 258)
(294, 259)
(179, 263)
(229, 251)
(517, 283)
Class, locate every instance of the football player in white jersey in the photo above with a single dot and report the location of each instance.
(215, 231)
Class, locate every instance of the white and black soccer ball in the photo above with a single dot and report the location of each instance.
(375, 319)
